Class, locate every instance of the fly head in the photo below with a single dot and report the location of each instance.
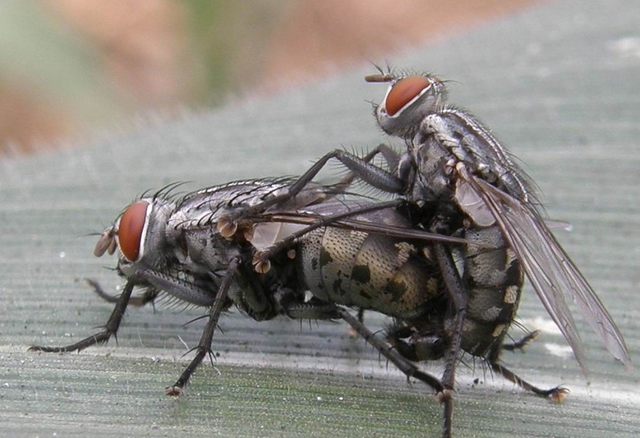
(139, 234)
(409, 99)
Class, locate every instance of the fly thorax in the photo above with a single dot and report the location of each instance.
(468, 143)
(433, 178)
(203, 249)
(443, 133)
(406, 169)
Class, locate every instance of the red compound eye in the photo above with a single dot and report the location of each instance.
(403, 91)
(130, 229)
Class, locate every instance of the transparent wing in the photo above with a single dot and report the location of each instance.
(392, 230)
(551, 271)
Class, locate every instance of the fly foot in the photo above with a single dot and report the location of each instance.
(559, 393)
(173, 391)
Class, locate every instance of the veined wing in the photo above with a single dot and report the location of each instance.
(399, 231)
(550, 270)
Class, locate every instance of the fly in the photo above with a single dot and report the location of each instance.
(461, 181)
(183, 247)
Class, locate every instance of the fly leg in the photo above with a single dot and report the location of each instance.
(352, 332)
(110, 329)
(147, 297)
(522, 343)
(409, 369)
(312, 309)
(391, 157)
(458, 297)
(204, 346)
(316, 309)
(360, 167)
(374, 175)
(556, 394)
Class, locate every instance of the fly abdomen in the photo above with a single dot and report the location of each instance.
(357, 269)
(493, 279)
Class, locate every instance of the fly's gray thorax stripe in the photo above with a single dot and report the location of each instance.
(503, 162)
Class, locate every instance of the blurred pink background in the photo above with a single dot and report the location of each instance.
(75, 66)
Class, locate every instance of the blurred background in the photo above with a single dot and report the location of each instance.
(70, 68)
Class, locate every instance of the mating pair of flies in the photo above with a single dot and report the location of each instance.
(446, 260)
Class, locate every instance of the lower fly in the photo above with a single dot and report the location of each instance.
(265, 264)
